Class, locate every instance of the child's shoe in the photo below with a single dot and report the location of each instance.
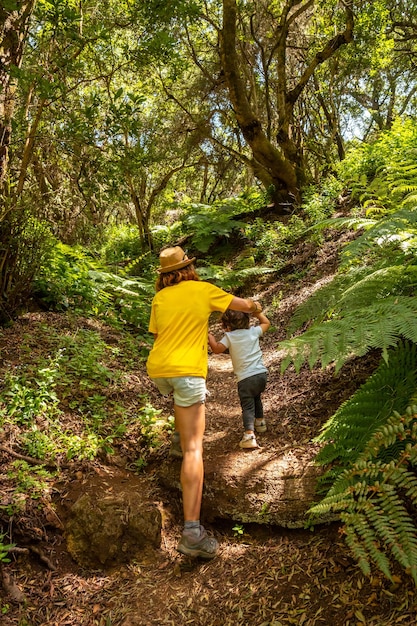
(200, 544)
(260, 425)
(248, 441)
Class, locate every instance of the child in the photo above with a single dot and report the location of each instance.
(243, 344)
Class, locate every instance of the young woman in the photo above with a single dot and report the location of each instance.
(178, 364)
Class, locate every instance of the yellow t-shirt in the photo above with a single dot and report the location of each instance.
(179, 318)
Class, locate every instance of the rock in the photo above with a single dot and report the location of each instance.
(107, 529)
(263, 486)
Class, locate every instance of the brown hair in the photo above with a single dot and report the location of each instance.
(176, 276)
(235, 320)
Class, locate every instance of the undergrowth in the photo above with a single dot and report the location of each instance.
(370, 446)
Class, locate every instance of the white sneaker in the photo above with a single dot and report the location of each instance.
(248, 441)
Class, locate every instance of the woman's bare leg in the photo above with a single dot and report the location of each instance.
(190, 421)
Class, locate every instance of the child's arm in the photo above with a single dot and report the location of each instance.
(264, 322)
(216, 346)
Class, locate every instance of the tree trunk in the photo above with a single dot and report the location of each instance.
(13, 25)
(269, 166)
(280, 168)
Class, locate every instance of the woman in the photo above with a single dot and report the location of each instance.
(178, 363)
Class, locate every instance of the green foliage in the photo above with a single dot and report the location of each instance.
(376, 498)
(5, 549)
(121, 242)
(380, 325)
(370, 442)
(273, 241)
(238, 530)
(230, 278)
(127, 299)
(207, 223)
(24, 243)
(63, 281)
(25, 396)
(152, 426)
(319, 202)
(71, 279)
(390, 388)
(377, 276)
(381, 173)
(31, 481)
(78, 377)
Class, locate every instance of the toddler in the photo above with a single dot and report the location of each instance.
(242, 340)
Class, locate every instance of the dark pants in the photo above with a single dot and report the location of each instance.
(250, 390)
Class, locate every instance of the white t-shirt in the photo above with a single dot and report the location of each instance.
(245, 351)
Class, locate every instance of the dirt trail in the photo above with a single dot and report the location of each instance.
(264, 575)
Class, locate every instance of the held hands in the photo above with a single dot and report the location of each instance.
(256, 307)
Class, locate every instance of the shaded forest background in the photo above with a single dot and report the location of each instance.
(240, 131)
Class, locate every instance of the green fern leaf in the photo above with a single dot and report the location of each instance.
(382, 325)
(389, 389)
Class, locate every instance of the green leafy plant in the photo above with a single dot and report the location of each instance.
(72, 279)
(238, 530)
(5, 549)
(220, 219)
(273, 241)
(30, 480)
(4, 609)
(207, 225)
(354, 313)
(152, 426)
(230, 278)
(24, 397)
(390, 388)
(376, 498)
(63, 280)
(370, 442)
(39, 444)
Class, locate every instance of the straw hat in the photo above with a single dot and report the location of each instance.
(173, 259)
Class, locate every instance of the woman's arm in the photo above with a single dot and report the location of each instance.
(247, 305)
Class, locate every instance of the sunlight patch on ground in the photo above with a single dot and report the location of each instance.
(222, 364)
(215, 436)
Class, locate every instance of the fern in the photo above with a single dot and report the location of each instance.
(231, 278)
(370, 443)
(357, 288)
(377, 499)
(387, 232)
(378, 268)
(380, 325)
(389, 389)
(343, 223)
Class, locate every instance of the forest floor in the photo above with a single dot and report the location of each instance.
(264, 575)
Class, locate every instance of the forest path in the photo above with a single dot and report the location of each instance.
(264, 574)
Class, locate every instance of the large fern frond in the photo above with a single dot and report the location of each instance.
(359, 287)
(380, 325)
(389, 389)
(390, 230)
(377, 500)
(342, 223)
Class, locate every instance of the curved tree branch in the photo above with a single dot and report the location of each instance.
(328, 51)
(269, 165)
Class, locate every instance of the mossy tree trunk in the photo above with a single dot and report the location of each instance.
(13, 30)
(277, 162)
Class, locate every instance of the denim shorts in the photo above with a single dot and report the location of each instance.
(187, 390)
